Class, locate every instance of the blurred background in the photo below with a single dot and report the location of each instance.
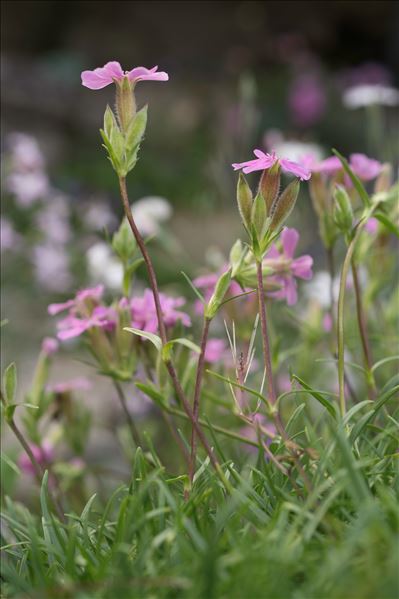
(299, 76)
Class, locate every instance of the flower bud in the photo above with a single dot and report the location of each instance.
(318, 193)
(123, 242)
(269, 185)
(283, 206)
(125, 103)
(384, 179)
(244, 200)
(259, 216)
(237, 253)
(217, 298)
(343, 213)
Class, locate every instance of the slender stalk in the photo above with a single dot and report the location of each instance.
(162, 331)
(265, 335)
(341, 305)
(331, 270)
(197, 396)
(38, 468)
(361, 319)
(269, 375)
(133, 430)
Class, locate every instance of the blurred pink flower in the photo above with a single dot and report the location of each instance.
(259, 427)
(92, 293)
(112, 71)
(28, 187)
(144, 316)
(215, 350)
(371, 226)
(287, 268)
(51, 267)
(307, 100)
(207, 283)
(364, 167)
(9, 238)
(25, 152)
(43, 454)
(77, 384)
(49, 345)
(327, 322)
(264, 161)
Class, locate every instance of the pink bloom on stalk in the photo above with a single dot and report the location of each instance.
(49, 346)
(77, 384)
(371, 226)
(73, 326)
(259, 427)
(43, 454)
(144, 316)
(112, 72)
(365, 168)
(264, 161)
(327, 322)
(287, 268)
(93, 293)
(215, 349)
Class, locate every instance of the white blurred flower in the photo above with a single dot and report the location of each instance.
(51, 264)
(9, 238)
(98, 215)
(291, 148)
(359, 96)
(319, 288)
(28, 187)
(53, 221)
(150, 212)
(25, 152)
(103, 266)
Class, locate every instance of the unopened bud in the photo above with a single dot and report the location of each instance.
(259, 215)
(343, 213)
(384, 179)
(269, 185)
(318, 193)
(244, 200)
(217, 298)
(125, 102)
(237, 253)
(283, 206)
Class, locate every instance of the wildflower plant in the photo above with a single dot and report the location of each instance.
(280, 481)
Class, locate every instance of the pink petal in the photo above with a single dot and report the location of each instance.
(102, 76)
(56, 308)
(296, 169)
(302, 267)
(289, 240)
(143, 74)
(329, 166)
(365, 168)
(290, 291)
(371, 226)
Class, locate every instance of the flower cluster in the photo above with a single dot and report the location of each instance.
(265, 161)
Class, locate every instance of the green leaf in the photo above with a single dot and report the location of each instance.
(318, 396)
(10, 383)
(358, 185)
(136, 130)
(167, 348)
(155, 340)
(193, 287)
(244, 200)
(388, 224)
(153, 392)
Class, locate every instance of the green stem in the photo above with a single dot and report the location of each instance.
(132, 427)
(197, 395)
(361, 320)
(341, 305)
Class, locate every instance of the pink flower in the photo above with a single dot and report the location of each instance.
(43, 454)
(287, 268)
(215, 349)
(365, 168)
(259, 427)
(371, 226)
(112, 72)
(327, 322)
(77, 384)
(49, 346)
(144, 316)
(92, 293)
(307, 100)
(264, 161)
